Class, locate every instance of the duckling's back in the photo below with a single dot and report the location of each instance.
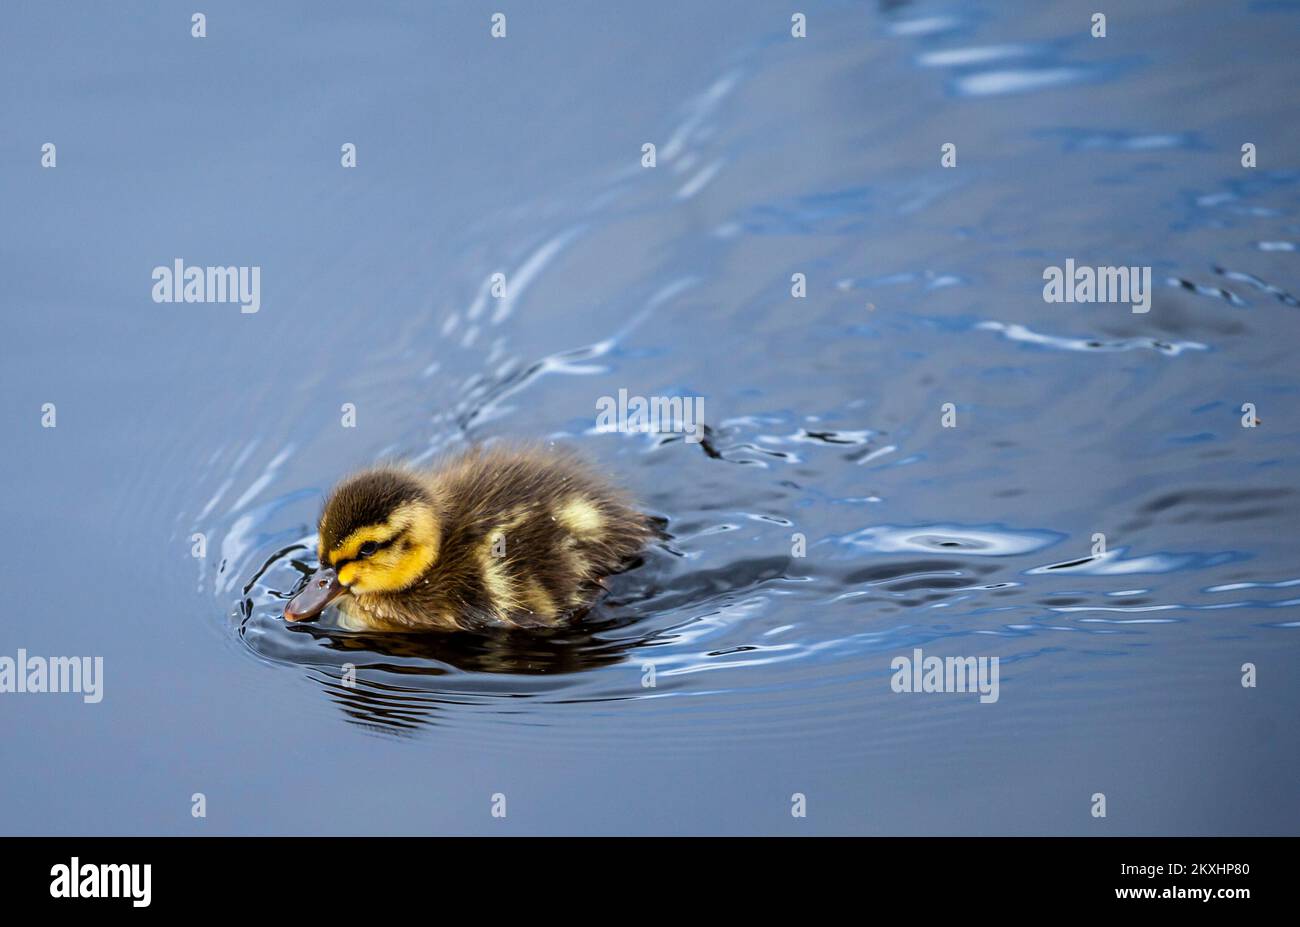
(528, 533)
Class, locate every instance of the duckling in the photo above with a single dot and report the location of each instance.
(505, 536)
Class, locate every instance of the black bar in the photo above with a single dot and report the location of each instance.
(330, 875)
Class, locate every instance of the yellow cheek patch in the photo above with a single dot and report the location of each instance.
(412, 530)
(387, 571)
(580, 517)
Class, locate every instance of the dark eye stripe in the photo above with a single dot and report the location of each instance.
(379, 545)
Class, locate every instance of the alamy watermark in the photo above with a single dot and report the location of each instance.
(1075, 284)
(919, 673)
(76, 879)
(194, 284)
(53, 674)
(683, 414)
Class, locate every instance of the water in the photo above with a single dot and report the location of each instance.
(1120, 673)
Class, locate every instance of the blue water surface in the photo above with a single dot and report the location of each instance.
(828, 524)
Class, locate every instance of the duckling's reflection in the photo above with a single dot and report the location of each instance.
(526, 651)
(368, 700)
(399, 682)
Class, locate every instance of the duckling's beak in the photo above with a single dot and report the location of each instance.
(322, 588)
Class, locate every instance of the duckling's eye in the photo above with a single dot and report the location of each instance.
(367, 549)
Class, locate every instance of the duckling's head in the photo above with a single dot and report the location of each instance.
(379, 532)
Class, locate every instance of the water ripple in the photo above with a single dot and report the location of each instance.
(981, 540)
(1014, 331)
